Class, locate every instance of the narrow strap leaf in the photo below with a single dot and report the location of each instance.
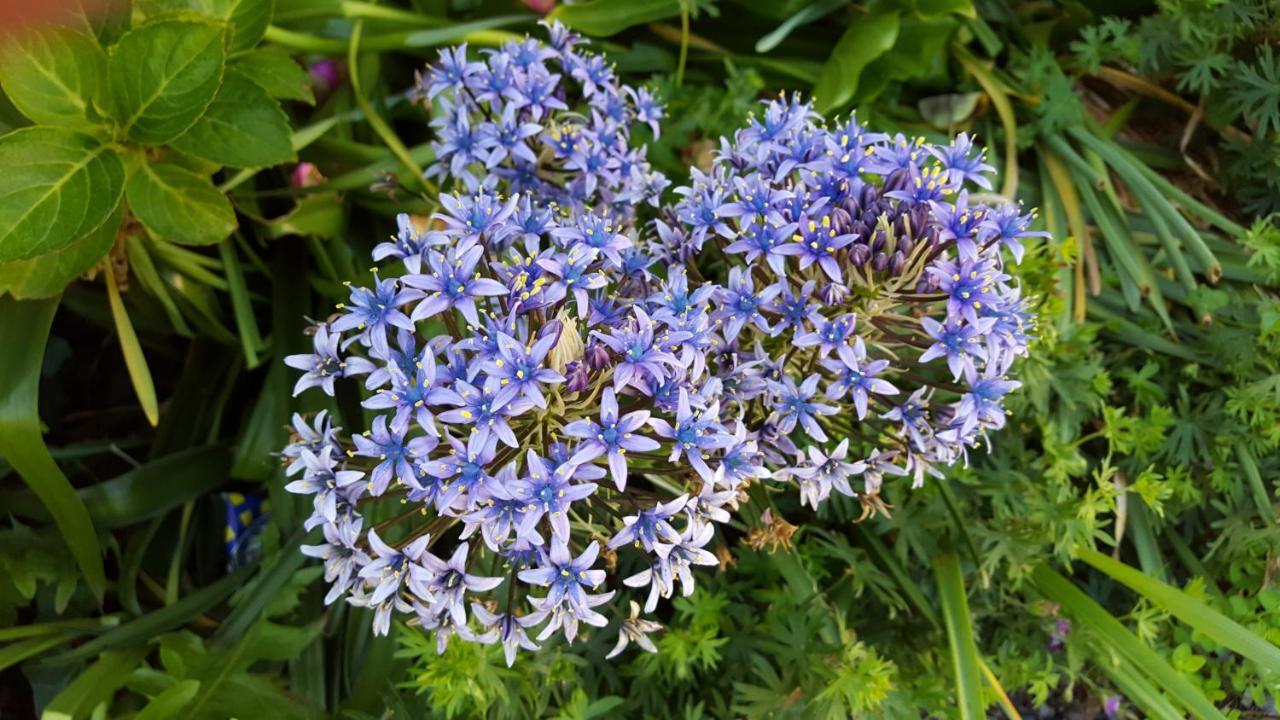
(139, 373)
(24, 330)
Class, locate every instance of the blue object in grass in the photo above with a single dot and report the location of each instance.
(246, 516)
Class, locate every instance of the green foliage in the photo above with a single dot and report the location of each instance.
(1147, 429)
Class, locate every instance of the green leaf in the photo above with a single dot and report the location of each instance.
(178, 205)
(46, 275)
(134, 360)
(170, 702)
(248, 19)
(866, 39)
(277, 73)
(609, 17)
(1111, 634)
(810, 13)
(93, 686)
(56, 187)
(144, 492)
(163, 75)
(964, 652)
(1216, 626)
(244, 127)
(53, 75)
(24, 329)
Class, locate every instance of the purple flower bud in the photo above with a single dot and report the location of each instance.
(1111, 706)
(834, 294)
(880, 261)
(597, 356)
(325, 76)
(897, 262)
(578, 376)
(859, 255)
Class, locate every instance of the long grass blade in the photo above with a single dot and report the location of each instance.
(964, 652)
(1216, 626)
(1004, 109)
(1088, 613)
(134, 360)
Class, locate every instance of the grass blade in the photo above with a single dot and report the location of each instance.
(139, 373)
(24, 330)
(1138, 690)
(964, 653)
(1216, 626)
(241, 305)
(1004, 109)
(1088, 613)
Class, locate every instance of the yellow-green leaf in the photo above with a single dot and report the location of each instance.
(867, 38)
(178, 205)
(53, 74)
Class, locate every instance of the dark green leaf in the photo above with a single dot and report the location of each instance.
(46, 275)
(867, 38)
(163, 75)
(244, 127)
(24, 329)
(53, 75)
(277, 73)
(93, 686)
(178, 205)
(608, 17)
(57, 186)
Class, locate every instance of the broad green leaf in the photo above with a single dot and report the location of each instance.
(917, 50)
(95, 685)
(163, 75)
(53, 75)
(56, 187)
(46, 275)
(964, 652)
(609, 17)
(244, 127)
(277, 73)
(1192, 611)
(24, 329)
(170, 702)
(178, 205)
(867, 38)
(248, 19)
(134, 360)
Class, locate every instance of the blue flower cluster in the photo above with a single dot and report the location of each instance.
(560, 395)
(547, 120)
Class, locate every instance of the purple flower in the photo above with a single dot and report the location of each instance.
(968, 286)
(443, 585)
(505, 628)
(650, 526)
(321, 367)
(817, 242)
(639, 355)
(694, 433)
(548, 493)
(741, 304)
(486, 411)
(958, 343)
(856, 378)
(828, 335)
(451, 71)
(375, 311)
(567, 578)
(395, 457)
(389, 569)
(517, 370)
(795, 405)
(480, 216)
(962, 164)
(613, 436)
(598, 233)
(341, 554)
(409, 395)
(452, 283)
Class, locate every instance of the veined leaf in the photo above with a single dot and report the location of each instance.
(1216, 626)
(867, 38)
(276, 72)
(24, 329)
(248, 19)
(163, 75)
(179, 205)
(46, 275)
(52, 75)
(243, 127)
(57, 186)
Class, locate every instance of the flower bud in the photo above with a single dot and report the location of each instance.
(597, 356)
(578, 376)
(568, 344)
